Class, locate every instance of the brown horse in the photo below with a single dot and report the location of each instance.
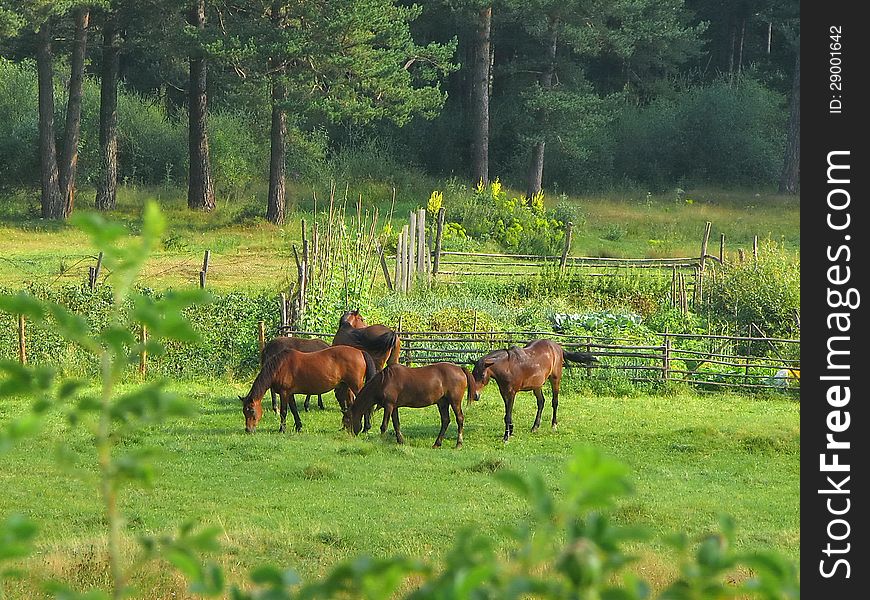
(378, 340)
(282, 343)
(525, 369)
(443, 384)
(292, 372)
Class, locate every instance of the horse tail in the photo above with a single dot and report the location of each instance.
(470, 381)
(371, 367)
(396, 345)
(580, 357)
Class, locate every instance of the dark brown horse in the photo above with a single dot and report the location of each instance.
(292, 372)
(279, 344)
(525, 369)
(378, 340)
(444, 384)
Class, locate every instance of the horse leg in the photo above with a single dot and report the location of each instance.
(296, 420)
(400, 439)
(320, 402)
(341, 391)
(539, 396)
(555, 383)
(367, 419)
(388, 409)
(274, 401)
(508, 396)
(444, 409)
(284, 404)
(307, 402)
(460, 419)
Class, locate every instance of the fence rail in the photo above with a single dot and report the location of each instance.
(709, 361)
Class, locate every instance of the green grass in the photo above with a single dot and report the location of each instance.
(310, 499)
(249, 253)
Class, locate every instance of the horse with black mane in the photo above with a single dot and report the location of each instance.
(444, 384)
(381, 342)
(282, 343)
(526, 369)
(291, 372)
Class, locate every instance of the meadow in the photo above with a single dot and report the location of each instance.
(309, 500)
(312, 499)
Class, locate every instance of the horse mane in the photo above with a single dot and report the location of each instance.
(365, 399)
(266, 376)
(477, 372)
(381, 343)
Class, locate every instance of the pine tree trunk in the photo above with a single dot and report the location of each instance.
(51, 199)
(200, 187)
(106, 194)
(536, 171)
(790, 178)
(72, 129)
(277, 159)
(480, 98)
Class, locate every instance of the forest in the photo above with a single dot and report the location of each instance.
(224, 96)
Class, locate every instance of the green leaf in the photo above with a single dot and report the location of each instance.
(17, 534)
(22, 303)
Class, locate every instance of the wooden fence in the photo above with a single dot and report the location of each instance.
(708, 361)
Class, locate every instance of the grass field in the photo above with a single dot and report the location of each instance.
(310, 499)
(247, 252)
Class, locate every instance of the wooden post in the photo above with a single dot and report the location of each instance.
(384, 268)
(439, 231)
(704, 241)
(406, 258)
(666, 358)
(412, 246)
(421, 240)
(143, 357)
(741, 255)
(674, 287)
(22, 342)
(91, 277)
(97, 268)
(722, 248)
(204, 272)
(261, 336)
(567, 248)
(755, 250)
(283, 308)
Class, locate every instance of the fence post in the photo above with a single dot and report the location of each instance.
(412, 247)
(204, 273)
(704, 241)
(567, 248)
(283, 308)
(143, 357)
(421, 240)
(384, 267)
(22, 343)
(666, 358)
(755, 251)
(722, 248)
(439, 232)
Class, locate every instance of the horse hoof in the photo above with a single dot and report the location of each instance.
(298, 428)
(534, 428)
(282, 430)
(555, 426)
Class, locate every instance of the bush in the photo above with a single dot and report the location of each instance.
(766, 293)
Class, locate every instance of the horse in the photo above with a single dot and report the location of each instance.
(381, 342)
(293, 372)
(525, 369)
(396, 386)
(303, 345)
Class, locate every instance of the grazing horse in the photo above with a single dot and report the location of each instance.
(292, 372)
(444, 384)
(378, 340)
(525, 369)
(285, 343)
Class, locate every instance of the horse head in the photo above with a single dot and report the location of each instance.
(253, 411)
(481, 373)
(353, 319)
